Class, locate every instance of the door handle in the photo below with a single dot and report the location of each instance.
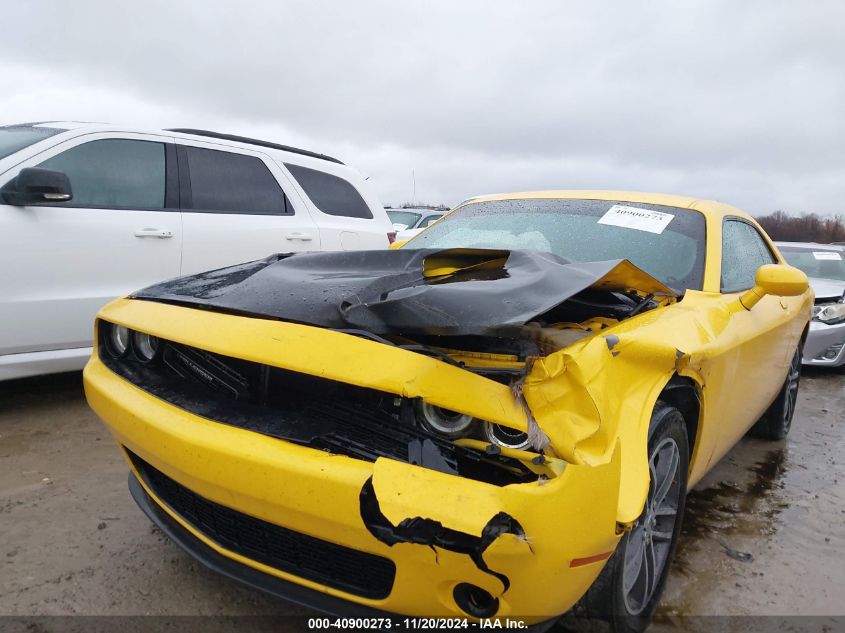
(299, 236)
(159, 233)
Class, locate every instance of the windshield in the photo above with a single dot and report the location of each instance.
(820, 264)
(16, 137)
(403, 219)
(666, 242)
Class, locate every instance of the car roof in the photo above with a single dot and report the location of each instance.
(811, 246)
(708, 207)
(185, 133)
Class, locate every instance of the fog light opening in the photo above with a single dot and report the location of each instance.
(475, 601)
(831, 352)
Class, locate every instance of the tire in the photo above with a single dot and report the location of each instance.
(775, 423)
(623, 598)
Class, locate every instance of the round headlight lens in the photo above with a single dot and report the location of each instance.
(146, 347)
(505, 436)
(444, 422)
(117, 340)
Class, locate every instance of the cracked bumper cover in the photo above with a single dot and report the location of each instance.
(532, 558)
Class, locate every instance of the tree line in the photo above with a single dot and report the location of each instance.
(808, 227)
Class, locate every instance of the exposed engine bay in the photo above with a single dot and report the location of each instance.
(488, 312)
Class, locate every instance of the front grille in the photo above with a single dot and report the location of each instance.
(311, 411)
(304, 556)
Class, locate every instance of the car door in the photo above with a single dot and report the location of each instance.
(760, 341)
(235, 210)
(62, 261)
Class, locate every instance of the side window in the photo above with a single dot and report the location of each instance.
(330, 194)
(224, 182)
(743, 252)
(428, 221)
(114, 173)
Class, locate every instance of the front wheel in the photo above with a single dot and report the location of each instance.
(628, 589)
(777, 420)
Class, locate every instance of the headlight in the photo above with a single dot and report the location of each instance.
(443, 421)
(505, 436)
(116, 340)
(830, 313)
(146, 347)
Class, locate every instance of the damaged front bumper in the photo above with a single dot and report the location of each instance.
(385, 534)
(825, 345)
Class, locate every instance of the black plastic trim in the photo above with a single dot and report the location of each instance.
(253, 141)
(171, 177)
(287, 590)
(349, 570)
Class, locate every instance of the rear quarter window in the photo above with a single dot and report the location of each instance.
(329, 193)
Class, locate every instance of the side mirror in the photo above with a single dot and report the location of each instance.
(775, 279)
(34, 185)
(398, 244)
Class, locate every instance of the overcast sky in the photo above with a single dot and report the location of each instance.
(738, 101)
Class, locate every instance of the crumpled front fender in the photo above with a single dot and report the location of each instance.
(588, 396)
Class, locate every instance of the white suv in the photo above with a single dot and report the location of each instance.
(91, 212)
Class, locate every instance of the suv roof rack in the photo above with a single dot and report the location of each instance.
(253, 141)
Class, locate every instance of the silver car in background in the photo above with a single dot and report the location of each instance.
(410, 221)
(824, 264)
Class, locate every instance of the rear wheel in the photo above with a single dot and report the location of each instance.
(777, 420)
(626, 593)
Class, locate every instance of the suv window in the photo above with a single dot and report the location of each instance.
(224, 182)
(114, 173)
(14, 138)
(743, 252)
(330, 194)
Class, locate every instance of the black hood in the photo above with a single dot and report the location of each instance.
(404, 291)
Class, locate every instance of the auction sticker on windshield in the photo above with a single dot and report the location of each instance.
(636, 218)
(827, 255)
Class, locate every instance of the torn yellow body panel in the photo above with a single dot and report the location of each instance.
(604, 388)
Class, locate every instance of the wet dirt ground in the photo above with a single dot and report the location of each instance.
(764, 532)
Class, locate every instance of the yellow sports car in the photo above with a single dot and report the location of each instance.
(500, 419)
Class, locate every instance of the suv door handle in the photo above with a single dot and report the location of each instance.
(299, 236)
(160, 233)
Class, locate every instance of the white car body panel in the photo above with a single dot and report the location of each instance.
(407, 234)
(61, 264)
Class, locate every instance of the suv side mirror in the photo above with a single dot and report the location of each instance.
(34, 185)
(775, 279)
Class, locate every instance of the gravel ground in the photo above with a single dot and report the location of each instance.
(764, 532)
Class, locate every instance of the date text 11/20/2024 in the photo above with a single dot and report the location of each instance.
(431, 624)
